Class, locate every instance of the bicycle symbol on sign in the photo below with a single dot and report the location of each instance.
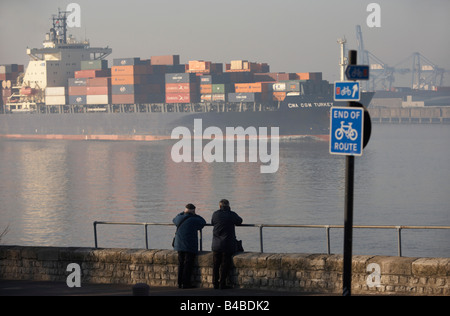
(346, 130)
(346, 91)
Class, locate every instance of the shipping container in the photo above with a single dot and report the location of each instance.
(98, 82)
(77, 82)
(136, 89)
(165, 60)
(128, 98)
(244, 97)
(154, 79)
(274, 76)
(77, 99)
(92, 73)
(316, 76)
(55, 91)
(205, 88)
(181, 87)
(130, 70)
(55, 100)
(246, 66)
(11, 68)
(219, 97)
(215, 78)
(126, 61)
(99, 64)
(126, 80)
(98, 99)
(98, 90)
(181, 98)
(77, 90)
(222, 88)
(181, 78)
(262, 87)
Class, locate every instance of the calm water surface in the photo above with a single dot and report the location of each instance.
(51, 192)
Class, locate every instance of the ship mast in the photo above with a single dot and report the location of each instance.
(343, 60)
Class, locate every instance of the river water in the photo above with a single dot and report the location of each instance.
(51, 192)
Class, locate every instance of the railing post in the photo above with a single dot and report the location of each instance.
(146, 236)
(200, 234)
(399, 240)
(95, 234)
(261, 246)
(328, 239)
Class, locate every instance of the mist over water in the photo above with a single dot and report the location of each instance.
(53, 191)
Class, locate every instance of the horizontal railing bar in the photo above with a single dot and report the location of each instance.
(289, 225)
(261, 226)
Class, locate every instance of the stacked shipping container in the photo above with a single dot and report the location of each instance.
(133, 82)
(91, 85)
(55, 96)
(182, 88)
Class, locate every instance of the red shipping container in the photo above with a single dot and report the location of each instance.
(181, 98)
(92, 73)
(97, 90)
(77, 90)
(180, 87)
(128, 98)
(98, 82)
(131, 70)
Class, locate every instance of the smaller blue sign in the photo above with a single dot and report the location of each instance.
(346, 91)
(346, 131)
(357, 72)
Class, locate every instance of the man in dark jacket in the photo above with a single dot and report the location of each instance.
(224, 242)
(186, 243)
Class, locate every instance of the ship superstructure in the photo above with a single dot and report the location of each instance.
(52, 65)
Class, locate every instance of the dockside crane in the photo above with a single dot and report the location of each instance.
(380, 72)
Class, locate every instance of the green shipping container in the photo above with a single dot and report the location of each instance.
(99, 64)
(221, 88)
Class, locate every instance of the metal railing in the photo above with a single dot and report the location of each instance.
(261, 226)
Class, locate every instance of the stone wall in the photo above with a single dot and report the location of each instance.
(295, 272)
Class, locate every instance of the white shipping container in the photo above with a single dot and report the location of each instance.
(55, 100)
(97, 99)
(55, 91)
(280, 87)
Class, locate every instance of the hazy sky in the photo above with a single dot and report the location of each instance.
(290, 35)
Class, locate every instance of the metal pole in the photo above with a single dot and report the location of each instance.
(261, 238)
(328, 239)
(348, 216)
(399, 239)
(95, 234)
(146, 237)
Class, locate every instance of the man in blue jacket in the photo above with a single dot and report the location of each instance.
(186, 243)
(224, 243)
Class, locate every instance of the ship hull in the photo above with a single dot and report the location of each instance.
(297, 116)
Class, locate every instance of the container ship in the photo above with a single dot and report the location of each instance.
(68, 91)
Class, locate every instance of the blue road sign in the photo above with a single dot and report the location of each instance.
(346, 131)
(346, 91)
(357, 72)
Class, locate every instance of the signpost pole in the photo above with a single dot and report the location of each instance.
(348, 216)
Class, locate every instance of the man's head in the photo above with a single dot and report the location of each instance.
(190, 208)
(224, 204)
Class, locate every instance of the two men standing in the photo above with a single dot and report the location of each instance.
(224, 243)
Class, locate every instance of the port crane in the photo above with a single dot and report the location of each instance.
(424, 74)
